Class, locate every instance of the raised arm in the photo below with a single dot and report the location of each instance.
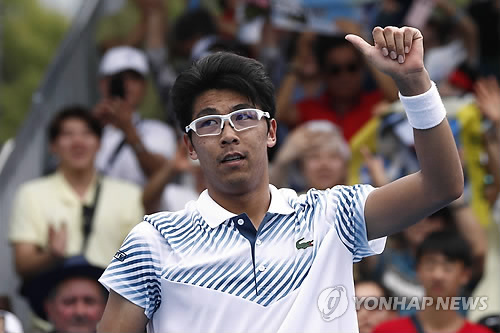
(398, 52)
(122, 315)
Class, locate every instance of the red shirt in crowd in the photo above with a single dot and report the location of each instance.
(405, 325)
(350, 122)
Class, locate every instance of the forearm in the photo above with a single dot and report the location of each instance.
(31, 260)
(153, 190)
(441, 171)
(149, 162)
(284, 108)
(156, 30)
(439, 181)
(472, 231)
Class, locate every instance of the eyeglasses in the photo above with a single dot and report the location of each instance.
(239, 120)
(334, 69)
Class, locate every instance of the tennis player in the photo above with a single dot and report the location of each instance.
(247, 257)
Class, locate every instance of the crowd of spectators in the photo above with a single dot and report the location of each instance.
(339, 121)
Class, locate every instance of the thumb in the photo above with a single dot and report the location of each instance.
(359, 43)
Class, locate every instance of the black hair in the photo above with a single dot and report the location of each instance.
(326, 43)
(448, 243)
(194, 23)
(78, 112)
(222, 71)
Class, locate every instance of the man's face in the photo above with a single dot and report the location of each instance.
(324, 167)
(77, 306)
(344, 75)
(441, 276)
(223, 175)
(368, 319)
(76, 146)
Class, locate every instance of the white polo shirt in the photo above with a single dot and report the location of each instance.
(205, 269)
(156, 136)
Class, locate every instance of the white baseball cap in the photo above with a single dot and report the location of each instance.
(123, 58)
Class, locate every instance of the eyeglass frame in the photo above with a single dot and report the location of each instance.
(224, 118)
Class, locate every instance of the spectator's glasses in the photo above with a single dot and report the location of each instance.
(336, 69)
(239, 120)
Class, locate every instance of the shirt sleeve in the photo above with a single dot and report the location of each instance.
(350, 221)
(135, 271)
(27, 223)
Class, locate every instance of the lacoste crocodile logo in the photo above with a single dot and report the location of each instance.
(303, 245)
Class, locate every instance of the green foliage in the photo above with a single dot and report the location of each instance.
(31, 35)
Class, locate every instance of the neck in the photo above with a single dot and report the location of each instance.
(342, 105)
(434, 320)
(254, 203)
(79, 180)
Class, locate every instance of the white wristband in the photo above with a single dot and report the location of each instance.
(426, 110)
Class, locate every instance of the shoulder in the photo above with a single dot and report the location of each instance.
(37, 185)
(398, 325)
(174, 222)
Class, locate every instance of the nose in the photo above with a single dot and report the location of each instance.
(228, 135)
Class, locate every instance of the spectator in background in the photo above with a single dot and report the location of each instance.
(369, 319)
(69, 296)
(132, 148)
(444, 268)
(319, 151)
(75, 210)
(345, 101)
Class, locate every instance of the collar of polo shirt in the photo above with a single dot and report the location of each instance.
(214, 214)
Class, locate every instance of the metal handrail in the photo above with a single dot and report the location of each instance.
(88, 10)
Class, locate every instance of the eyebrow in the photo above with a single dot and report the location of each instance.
(211, 111)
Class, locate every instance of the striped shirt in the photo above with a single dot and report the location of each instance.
(185, 261)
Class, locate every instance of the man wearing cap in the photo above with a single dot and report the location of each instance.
(132, 148)
(69, 296)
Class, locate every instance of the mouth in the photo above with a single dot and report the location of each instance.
(232, 158)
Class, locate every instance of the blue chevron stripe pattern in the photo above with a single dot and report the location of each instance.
(182, 247)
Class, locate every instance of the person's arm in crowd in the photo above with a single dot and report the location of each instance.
(488, 100)
(121, 315)
(154, 188)
(30, 259)
(298, 142)
(115, 113)
(286, 110)
(472, 231)
(375, 166)
(466, 26)
(440, 181)
(384, 82)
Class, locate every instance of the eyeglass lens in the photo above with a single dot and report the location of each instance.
(240, 120)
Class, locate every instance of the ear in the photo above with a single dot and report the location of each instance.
(271, 133)
(190, 147)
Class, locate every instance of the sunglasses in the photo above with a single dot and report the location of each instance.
(239, 120)
(335, 69)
